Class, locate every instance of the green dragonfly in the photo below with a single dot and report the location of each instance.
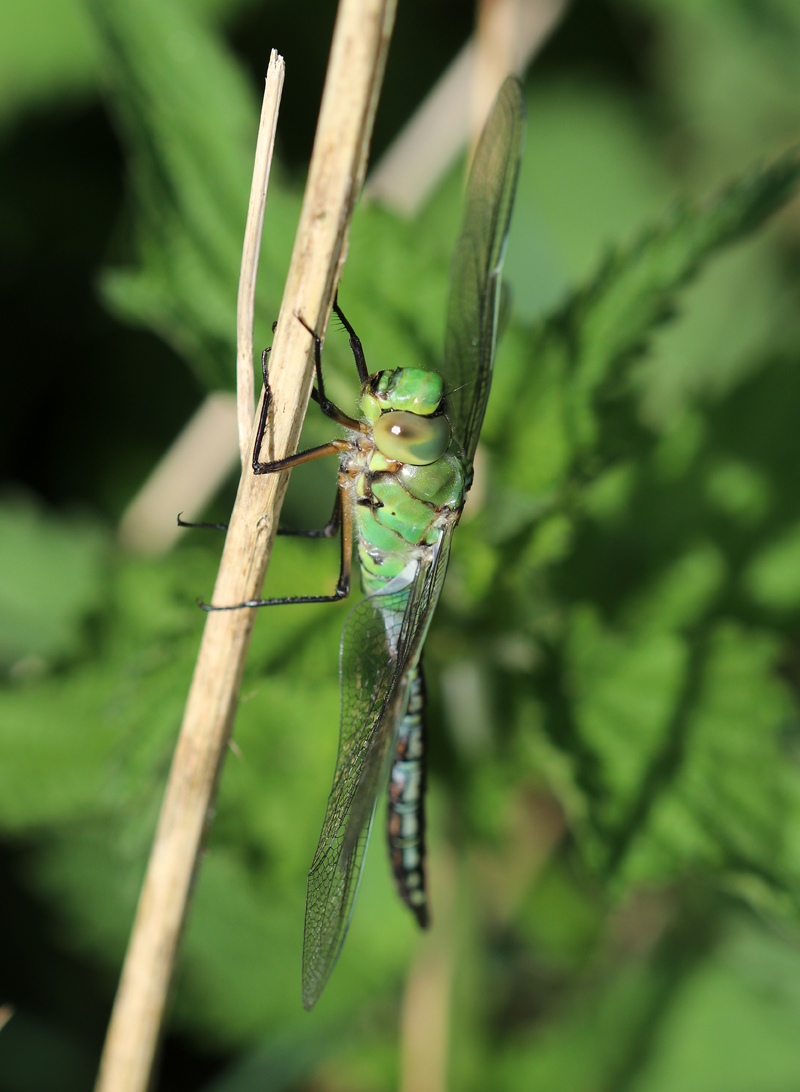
(404, 469)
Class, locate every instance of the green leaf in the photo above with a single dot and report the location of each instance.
(51, 577)
(773, 576)
(189, 123)
(728, 802)
(581, 359)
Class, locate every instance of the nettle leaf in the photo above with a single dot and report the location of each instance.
(680, 758)
(52, 574)
(189, 124)
(724, 798)
(96, 738)
(580, 360)
(661, 700)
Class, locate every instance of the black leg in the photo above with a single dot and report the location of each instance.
(342, 515)
(202, 526)
(330, 529)
(325, 404)
(343, 584)
(333, 448)
(355, 342)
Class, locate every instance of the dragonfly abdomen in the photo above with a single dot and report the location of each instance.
(398, 514)
(406, 820)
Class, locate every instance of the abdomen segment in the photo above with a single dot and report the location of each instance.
(406, 826)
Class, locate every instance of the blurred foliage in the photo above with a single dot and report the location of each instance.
(615, 665)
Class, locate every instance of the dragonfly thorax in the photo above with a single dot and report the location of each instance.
(405, 408)
(410, 389)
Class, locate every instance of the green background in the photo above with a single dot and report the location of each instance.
(615, 665)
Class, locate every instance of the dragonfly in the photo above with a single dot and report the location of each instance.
(405, 467)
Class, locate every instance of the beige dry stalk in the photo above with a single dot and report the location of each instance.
(354, 76)
(246, 302)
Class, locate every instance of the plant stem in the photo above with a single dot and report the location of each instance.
(354, 76)
(246, 302)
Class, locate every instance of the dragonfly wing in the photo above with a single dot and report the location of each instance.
(382, 641)
(476, 272)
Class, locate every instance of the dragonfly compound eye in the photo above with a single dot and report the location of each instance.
(410, 438)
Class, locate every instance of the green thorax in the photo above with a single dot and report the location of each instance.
(409, 487)
(411, 389)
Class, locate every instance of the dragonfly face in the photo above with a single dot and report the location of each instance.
(400, 497)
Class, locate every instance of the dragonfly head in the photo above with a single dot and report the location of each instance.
(405, 408)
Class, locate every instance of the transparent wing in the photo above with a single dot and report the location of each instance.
(382, 640)
(476, 271)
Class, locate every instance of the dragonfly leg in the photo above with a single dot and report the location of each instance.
(325, 404)
(333, 448)
(343, 584)
(330, 529)
(202, 526)
(355, 342)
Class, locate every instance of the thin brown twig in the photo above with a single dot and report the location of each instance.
(246, 302)
(355, 73)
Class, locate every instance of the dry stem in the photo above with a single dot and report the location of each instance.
(353, 80)
(246, 302)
